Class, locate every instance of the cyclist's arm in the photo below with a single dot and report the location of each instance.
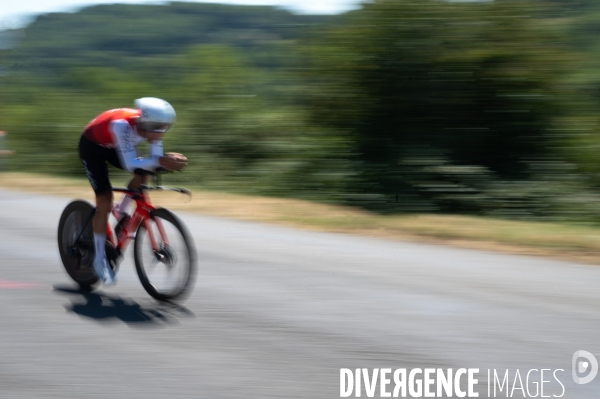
(126, 141)
(156, 149)
(172, 161)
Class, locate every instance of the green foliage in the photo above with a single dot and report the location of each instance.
(401, 106)
(444, 101)
(117, 34)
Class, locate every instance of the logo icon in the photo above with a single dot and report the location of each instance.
(584, 362)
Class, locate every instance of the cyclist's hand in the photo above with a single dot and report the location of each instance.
(172, 163)
(177, 156)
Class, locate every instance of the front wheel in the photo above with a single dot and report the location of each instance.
(169, 272)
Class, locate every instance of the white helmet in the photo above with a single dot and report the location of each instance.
(157, 115)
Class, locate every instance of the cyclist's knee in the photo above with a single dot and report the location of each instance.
(137, 181)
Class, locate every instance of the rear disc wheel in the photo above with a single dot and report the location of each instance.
(77, 252)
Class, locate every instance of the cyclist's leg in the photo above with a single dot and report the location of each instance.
(122, 208)
(99, 224)
(103, 208)
(139, 178)
(94, 158)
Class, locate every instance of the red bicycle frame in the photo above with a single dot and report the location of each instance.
(143, 208)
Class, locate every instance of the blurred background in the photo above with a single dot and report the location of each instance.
(398, 106)
(472, 121)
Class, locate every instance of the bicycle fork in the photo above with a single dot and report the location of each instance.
(160, 252)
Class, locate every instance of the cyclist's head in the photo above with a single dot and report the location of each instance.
(157, 116)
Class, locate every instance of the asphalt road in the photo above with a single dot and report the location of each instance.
(276, 313)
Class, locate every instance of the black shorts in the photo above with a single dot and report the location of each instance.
(94, 158)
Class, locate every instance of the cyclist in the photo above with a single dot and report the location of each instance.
(113, 137)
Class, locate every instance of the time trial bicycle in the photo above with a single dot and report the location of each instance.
(163, 250)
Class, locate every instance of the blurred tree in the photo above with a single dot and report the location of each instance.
(403, 105)
(421, 84)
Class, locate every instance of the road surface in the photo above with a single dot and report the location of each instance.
(277, 312)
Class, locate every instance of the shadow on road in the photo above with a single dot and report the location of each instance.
(108, 308)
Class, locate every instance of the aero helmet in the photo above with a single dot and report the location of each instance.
(156, 115)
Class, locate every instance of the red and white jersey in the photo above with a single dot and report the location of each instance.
(117, 129)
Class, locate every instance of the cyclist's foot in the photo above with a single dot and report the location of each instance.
(104, 272)
(111, 279)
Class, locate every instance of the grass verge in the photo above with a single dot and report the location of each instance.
(569, 242)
